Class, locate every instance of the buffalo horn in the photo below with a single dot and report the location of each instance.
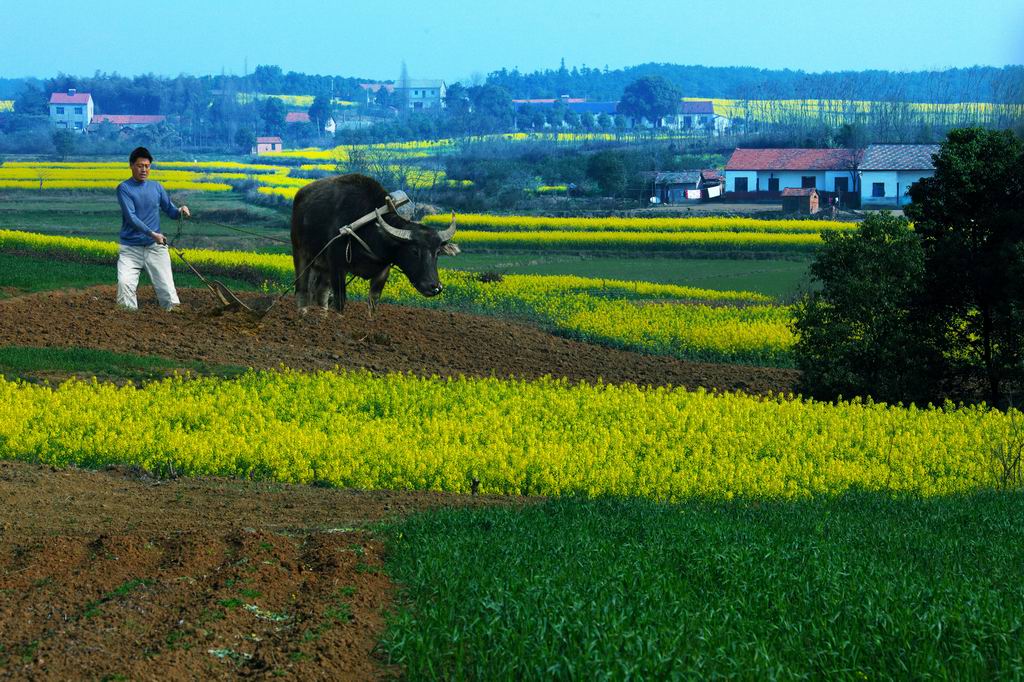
(397, 233)
(447, 234)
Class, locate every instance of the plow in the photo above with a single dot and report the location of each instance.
(229, 302)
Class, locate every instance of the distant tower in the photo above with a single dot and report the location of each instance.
(403, 89)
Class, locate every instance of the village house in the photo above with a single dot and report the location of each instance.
(71, 110)
(697, 115)
(682, 187)
(125, 122)
(422, 94)
(576, 105)
(293, 117)
(888, 171)
(765, 173)
(267, 144)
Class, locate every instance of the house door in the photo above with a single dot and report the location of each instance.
(773, 184)
(842, 188)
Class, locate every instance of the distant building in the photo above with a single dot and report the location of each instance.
(682, 187)
(267, 144)
(576, 105)
(125, 121)
(765, 173)
(697, 115)
(803, 201)
(421, 94)
(71, 110)
(888, 171)
(303, 117)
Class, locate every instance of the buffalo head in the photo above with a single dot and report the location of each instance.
(417, 250)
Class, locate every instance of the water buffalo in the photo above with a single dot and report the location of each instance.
(322, 207)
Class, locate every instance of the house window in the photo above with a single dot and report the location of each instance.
(842, 185)
(807, 182)
(78, 126)
(741, 185)
(78, 110)
(60, 111)
(878, 189)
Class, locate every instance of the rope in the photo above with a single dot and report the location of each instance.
(249, 232)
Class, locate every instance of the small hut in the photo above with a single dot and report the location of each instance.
(797, 200)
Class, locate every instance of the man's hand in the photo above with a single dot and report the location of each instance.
(185, 212)
(159, 238)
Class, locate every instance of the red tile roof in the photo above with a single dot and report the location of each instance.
(127, 119)
(792, 159)
(798, 192)
(65, 98)
(296, 117)
(268, 140)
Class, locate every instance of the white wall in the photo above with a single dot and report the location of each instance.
(730, 180)
(791, 179)
(896, 185)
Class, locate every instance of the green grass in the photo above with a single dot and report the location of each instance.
(781, 279)
(27, 274)
(20, 361)
(858, 587)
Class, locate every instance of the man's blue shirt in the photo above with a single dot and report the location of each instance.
(141, 203)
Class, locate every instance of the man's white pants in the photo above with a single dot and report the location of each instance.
(156, 259)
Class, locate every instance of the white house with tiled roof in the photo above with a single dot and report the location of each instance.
(422, 94)
(765, 173)
(71, 110)
(888, 170)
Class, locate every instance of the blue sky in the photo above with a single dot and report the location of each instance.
(466, 40)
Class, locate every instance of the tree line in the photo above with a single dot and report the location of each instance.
(973, 84)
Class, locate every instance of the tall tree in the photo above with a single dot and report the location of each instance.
(855, 332)
(273, 113)
(970, 216)
(321, 110)
(650, 97)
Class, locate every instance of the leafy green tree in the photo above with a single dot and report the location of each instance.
(64, 143)
(31, 100)
(650, 97)
(856, 334)
(492, 106)
(273, 113)
(970, 216)
(608, 170)
(321, 110)
(245, 139)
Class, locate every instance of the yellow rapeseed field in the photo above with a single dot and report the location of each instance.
(354, 429)
(655, 318)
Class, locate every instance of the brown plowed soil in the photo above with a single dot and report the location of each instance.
(114, 575)
(399, 338)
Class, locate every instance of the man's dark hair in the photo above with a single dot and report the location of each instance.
(140, 152)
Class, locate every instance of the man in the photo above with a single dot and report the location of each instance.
(142, 244)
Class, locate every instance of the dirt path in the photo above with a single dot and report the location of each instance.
(108, 574)
(404, 339)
